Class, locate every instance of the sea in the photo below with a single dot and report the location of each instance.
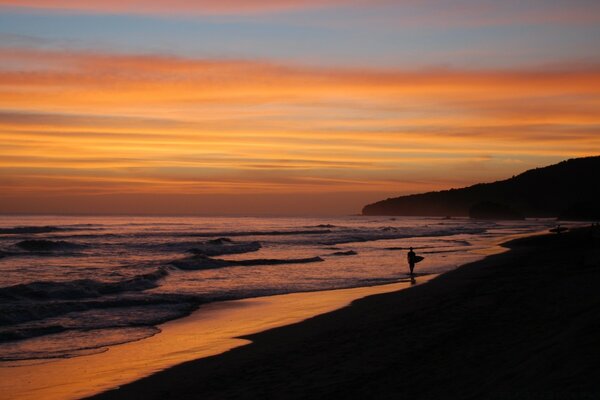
(72, 286)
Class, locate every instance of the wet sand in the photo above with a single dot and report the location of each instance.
(210, 330)
(524, 324)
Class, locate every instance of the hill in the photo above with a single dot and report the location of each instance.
(569, 190)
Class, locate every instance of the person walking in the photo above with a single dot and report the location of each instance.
(411, 260)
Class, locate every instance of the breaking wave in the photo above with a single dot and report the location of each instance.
(344, 253)
(388, 233)
(74, 343)
(259, 233)
(20, 317)
(222, 246)
(48, 245)
(76, 287)
(202, 262)
(30, 229)
(80, 288)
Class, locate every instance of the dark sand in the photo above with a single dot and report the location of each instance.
(520, 325)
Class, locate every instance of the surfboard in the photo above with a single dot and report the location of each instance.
(418, 259)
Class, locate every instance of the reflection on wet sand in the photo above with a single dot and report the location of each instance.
(211, 330)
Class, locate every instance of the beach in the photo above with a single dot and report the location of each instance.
(299, 199)
(521, 324)
(75, 286)
(213, 329)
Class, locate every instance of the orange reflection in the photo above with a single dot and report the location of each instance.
(211, 330)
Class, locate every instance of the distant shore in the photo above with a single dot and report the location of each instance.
(522, 324)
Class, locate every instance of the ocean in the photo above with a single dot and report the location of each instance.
(71, 286)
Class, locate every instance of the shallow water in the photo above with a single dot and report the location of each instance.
(212, 329)
(70, 286)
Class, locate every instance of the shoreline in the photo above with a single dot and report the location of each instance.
(518, 324)
(212, 329)
(175, 342)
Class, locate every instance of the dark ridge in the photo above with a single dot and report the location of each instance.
(47, 245)
(271, 261)
(568, 189)
(202, 262)
(584, 210)
(222, 246)
(222, 240)
(344, 253)
(261, 233)
(440, 251)
(493, 211)
(30, 229)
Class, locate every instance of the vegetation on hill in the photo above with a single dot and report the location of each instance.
(569, 189)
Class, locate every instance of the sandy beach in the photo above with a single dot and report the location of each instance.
(522, 324)
(212, 329)
(294, 199)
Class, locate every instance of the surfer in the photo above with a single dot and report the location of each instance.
(411, 260)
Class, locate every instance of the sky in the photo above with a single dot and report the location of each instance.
(285, 107)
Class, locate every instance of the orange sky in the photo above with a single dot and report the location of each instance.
(101, 131)
(173, 6)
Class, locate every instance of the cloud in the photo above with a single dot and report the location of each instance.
(100, 123)
(95, 79)
(199, 7)
(370, 13)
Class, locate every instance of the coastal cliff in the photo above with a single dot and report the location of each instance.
(566, 190)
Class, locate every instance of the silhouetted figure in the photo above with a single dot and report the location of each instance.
(411, 256)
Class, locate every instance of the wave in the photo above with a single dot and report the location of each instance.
(376, 281)
(344, 253)
(220, 241)
(222, 246)
(62, 329)
(389, 233)
(152, 310)
(48, 245)
(442, 251)
(457, 243)
(202, 262)
(30, 229)
(11, 335)
(80, 288)
(271, 261)
(14, 315)
(72, 343)
(257, 233)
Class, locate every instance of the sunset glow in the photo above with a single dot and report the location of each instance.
(94, 122)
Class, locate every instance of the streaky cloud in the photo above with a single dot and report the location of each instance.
(104, 124)
(198, 7)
